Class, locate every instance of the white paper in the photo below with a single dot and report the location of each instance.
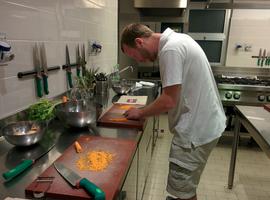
(138, 100)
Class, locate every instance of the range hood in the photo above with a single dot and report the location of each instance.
(161, 7)
(160, 3)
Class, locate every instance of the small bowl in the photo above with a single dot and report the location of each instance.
(76, 113)
(24, 133)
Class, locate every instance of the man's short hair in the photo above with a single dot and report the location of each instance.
(133, 31)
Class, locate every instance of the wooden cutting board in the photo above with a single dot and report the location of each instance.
(116, 111)
(109, 180)
(267, 107)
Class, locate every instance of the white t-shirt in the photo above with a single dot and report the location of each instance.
(198, 117)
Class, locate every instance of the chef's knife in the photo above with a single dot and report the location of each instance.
(26, 163)
(68, 70)
(45, 68)
(76, 181)
(78, 61)
(263, 57)
(83, 61)
(38, 70)
(267, 61)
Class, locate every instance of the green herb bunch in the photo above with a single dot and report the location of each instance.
(42, 110)
(87, 81)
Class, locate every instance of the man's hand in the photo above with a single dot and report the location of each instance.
(133, 113)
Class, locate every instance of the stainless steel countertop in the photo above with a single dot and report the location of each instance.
(10, 155)
(259, 118)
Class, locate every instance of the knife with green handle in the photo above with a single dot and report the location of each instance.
(76, 181)
(69, 73)
(267, 61)
(263, 57)
(45, 68)
(25, 164)
(38, 70)
(78, 61)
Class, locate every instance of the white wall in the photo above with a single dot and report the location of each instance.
(57, 23)
(248, 27)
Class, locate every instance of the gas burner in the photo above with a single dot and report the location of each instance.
(221, 79)
(243, 90)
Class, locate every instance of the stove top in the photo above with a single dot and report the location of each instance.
(254, 81)
(243, 90)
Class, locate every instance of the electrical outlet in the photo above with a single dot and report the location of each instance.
(94, 47)
(239, 47)
(248, 47)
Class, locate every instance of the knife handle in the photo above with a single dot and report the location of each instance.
(258, 62)
(69, 79)
(39, 86)
(92, 189)
(18, 169)
(45, 83)
(78, 71)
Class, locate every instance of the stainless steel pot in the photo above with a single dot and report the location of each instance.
(24, 133)
(76, 113)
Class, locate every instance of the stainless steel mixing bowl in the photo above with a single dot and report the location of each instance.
(121, 87)
(24, 133)
(76, 113)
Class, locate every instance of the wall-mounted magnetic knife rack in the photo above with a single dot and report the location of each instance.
(72, 65)
(263, 58)
(34, 73)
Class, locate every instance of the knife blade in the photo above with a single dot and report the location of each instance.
(263, 57)
(83, 61)
(76, 181)
(259, 57)
(78, 61)
(45, 68)
(38, 70)
(27, 162)
(68, 69)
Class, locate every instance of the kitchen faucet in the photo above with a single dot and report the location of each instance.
(116, 74)
(126, 68)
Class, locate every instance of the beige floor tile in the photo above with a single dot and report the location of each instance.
(252, 175)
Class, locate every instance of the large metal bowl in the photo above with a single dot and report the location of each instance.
(24, 133)
(76, 113)
(121, 87)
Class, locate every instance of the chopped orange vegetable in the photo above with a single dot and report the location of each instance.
(64, 99)
(120, 119)
(94, 161)
(126, 107)
(78, 147)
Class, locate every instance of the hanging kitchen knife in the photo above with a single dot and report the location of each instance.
(39, 151)
(267, 61)
(259, 57)
(83, 61)
(38, 70)
(263, 57)
(76, 181)
(68, 69)
(45, 68)
(78, 61)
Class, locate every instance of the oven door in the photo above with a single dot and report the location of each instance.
(212, 37)
(213, 45)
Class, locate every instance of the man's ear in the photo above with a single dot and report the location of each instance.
(139, 42)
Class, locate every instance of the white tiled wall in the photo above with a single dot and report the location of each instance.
(56, 23)
(248, 27)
